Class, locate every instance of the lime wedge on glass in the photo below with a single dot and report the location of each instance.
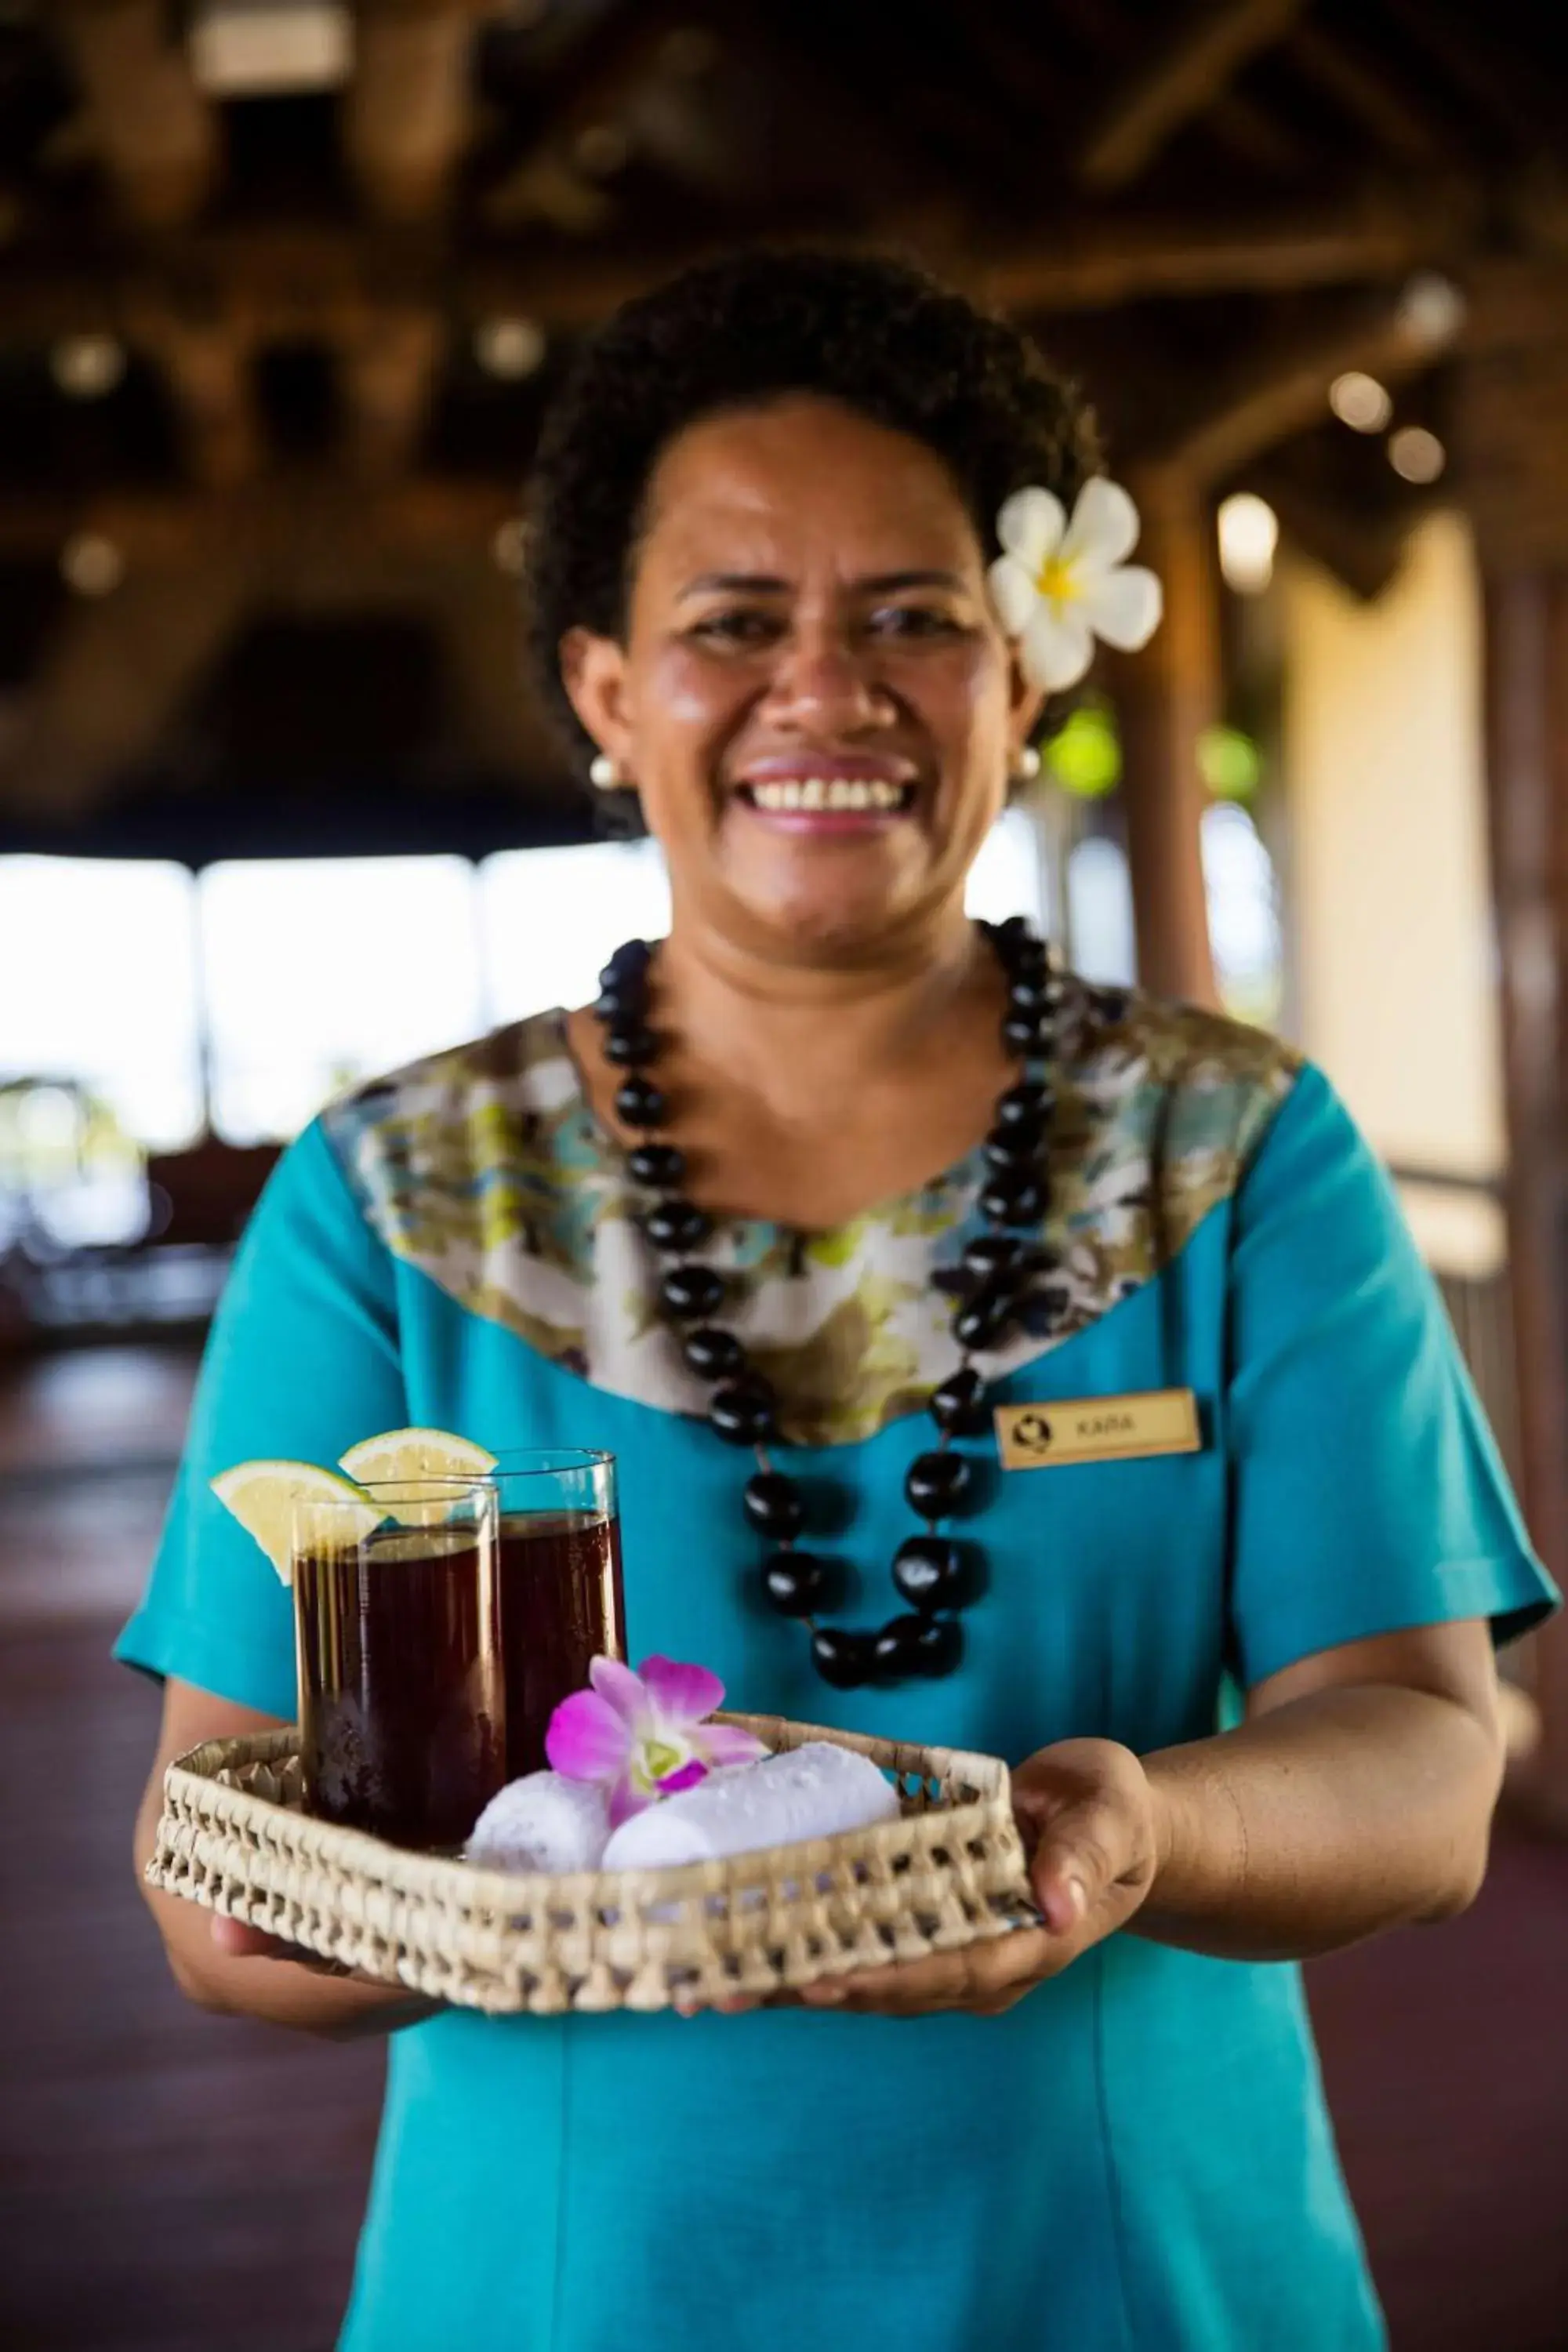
(263, 1496)
(399, 1456)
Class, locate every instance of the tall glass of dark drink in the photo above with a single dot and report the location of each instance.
(561, 1600)
(402, 1682)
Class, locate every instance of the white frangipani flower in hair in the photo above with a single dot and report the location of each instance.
(1058, 584)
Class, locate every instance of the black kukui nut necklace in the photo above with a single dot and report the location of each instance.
(933, 1572)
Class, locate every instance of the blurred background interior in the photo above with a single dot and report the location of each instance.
(283, 284)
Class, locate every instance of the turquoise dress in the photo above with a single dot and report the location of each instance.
(1137, 2157)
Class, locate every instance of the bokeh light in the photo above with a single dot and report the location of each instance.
(1085, 756)
(1360, 402)
(1248, 535)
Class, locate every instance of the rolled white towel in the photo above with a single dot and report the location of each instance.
(542, 1822)
(806, 1792)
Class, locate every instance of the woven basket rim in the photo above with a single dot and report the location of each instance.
(405, 1870)
(947, 1870)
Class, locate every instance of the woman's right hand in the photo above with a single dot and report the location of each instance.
(235, 1970)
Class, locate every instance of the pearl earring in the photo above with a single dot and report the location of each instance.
(602, 773)
(1028, 766)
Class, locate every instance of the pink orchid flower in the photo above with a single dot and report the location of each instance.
(643, 1736)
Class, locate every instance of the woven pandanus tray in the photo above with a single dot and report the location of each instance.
(948, 1872)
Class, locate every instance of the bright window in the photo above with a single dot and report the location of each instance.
(550, 918)
(320, 971)
(1244, 915)
(1099, 896)
(98, 984)
(312, 974)
(1006, 877)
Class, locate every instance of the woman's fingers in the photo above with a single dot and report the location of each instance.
(1079, 1865)
(988, 1978)
(985, 1976)
(238, 1941)
(1087, 1813)
(732, 2004)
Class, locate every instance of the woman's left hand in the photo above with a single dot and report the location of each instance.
(1089, 1821)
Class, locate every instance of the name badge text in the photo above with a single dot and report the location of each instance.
(1098, 1429)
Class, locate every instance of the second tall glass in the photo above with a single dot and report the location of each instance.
(562, 1603)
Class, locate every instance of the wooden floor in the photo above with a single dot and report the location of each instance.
(171, 2182)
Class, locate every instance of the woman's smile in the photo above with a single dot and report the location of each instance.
(826, 794)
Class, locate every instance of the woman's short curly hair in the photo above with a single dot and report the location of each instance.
(883, 338)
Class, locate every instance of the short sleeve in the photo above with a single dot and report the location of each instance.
(1367, 1494)
(301, 1361)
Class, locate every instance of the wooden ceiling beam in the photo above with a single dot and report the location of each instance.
(558, 178)
(117, 681)
(159, 531)
(407, 114)
(1282, 387)
(1236, 122)
(1358, 86)
(1182, 73)
(325, 280)
(1363, 550)
(158, 139)
(156, 133)
(113, 678)
(1523, 100)
(1517, 304)
(1258, 137)
(1100, 262)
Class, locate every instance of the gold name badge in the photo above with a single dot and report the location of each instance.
(1098, 1429)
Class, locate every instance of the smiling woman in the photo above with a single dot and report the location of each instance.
(835, 548)
(831, 1204)
(826, 728)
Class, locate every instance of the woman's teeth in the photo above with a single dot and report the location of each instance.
(850, 795)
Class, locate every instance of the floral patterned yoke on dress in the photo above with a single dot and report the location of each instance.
(485, 1169)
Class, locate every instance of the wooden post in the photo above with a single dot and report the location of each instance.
(206, 362)
(1165, 696)
(1527, 762)
(158, 135)
(387, 369)
(408, 112)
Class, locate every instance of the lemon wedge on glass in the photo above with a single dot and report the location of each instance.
(400, 1454)
(405, 1457)
(263, 1496)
